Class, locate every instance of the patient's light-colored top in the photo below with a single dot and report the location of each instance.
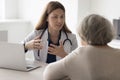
(87, 63)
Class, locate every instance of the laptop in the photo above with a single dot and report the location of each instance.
(12, 56)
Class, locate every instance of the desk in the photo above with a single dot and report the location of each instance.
(115, 43)
(6, 74)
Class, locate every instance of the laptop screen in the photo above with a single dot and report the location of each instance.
(12, 56)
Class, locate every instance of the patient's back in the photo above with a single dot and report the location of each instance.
(94, 63)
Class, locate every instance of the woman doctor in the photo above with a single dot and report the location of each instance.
(51, 40)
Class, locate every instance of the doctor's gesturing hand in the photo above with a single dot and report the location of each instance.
(57, 50)
(34, 44)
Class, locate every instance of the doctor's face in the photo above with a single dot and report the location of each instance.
(56, 19)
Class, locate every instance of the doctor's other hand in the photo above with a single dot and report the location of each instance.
(57, 50)
(34, 44)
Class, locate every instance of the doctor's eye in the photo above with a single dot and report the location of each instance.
(62, 16)
(54, 17)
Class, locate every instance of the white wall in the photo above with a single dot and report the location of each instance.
(83, 9)
(8, 9)
(30, 10)
(108, 8)
(2, 9)
(11, 9)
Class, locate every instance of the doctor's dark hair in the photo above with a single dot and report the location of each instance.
(51, 6)
(96, 30)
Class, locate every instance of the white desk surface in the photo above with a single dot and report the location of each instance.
(36, 74)
(115, 43)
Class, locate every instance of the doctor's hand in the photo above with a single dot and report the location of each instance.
(34, 44)
(57, 50)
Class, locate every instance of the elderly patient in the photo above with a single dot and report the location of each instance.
(95, 61)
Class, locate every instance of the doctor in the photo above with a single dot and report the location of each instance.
(51, 40)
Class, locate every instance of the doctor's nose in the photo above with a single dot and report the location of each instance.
(60, 20)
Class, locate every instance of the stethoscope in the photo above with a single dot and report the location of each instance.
(66, 40)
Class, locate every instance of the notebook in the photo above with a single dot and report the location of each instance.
(12, 56)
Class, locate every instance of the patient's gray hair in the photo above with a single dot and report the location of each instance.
(96, 30)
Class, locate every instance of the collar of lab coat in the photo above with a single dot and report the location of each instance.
(62, 37)
(67, 46)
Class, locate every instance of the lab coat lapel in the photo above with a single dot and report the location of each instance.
(67, 46)
(44, 51)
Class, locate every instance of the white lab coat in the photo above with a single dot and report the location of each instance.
(43, 52)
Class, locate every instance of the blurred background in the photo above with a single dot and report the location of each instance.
(19, 17)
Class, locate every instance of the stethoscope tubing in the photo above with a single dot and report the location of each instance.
(67, 39)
